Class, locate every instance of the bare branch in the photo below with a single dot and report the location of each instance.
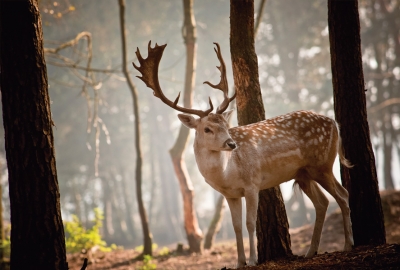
(259, 17)
(384, 104)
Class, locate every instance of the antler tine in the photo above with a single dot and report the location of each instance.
(223, 84)
(149, 70)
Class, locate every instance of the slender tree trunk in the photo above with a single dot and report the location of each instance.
(37, 232)
(2, 238)
(147, 237)
(128, 209)
(193, 231)
(107, 202)
(387, 150)
(77, 200)
(215, 224)
(272, 225)
(259, 16)
(350, 109)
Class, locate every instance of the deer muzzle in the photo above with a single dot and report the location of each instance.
(230, 143)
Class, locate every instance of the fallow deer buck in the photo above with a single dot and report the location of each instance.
(241, 161)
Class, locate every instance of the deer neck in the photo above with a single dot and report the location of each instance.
(213, 165)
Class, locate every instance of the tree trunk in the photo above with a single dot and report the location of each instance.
(387, 150)
(128, 209)
(37, 232)
(147, 237)
(193, 231)
(350, 109)
(2, 238)
(272, 225)
(215, 224)
(108, 227)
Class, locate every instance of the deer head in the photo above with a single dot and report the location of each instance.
(211, 129)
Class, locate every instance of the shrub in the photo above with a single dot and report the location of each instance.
(77, 238)
(6, 245)
(147, 264)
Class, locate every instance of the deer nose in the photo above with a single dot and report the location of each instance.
(231, 143)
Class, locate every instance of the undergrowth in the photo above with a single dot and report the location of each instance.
(77, 238)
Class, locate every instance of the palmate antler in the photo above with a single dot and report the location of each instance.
(223, 84)
(149, 70)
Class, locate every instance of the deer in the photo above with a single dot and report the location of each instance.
(240, 161)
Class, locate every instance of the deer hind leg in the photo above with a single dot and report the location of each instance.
(235, 205)
(330, 184)
(320, 203)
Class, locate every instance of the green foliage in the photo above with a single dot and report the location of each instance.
(140, 248)
(147, 264)
(6, 245)
(164, 251)
(79, 238)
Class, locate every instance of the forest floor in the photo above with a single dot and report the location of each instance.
(223, 254)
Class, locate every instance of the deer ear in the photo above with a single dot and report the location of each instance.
(227, 115)
(188, 120)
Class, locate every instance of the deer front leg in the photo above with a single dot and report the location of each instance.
(235, 205)
(251, 197)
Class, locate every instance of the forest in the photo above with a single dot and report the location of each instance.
(97, 173)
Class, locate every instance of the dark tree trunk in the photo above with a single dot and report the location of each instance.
(272, 225)
(193, 231)
(147, 237)
(350, 109)
(37, 232)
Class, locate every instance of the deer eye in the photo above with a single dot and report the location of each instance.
(207, 130)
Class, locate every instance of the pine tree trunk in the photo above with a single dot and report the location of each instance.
(147, 237)
(350, 109)
(272, 225)
(37, 232)
(193, 231)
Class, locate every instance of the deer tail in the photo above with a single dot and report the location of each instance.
(342, 158)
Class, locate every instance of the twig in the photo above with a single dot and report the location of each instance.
(69, 43)
(259, 17)
(384, 104)
(85, 263)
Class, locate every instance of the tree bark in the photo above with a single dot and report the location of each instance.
(272, 225)
(147, 237)
(193, 231)
(350, 109)
(37, 233)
